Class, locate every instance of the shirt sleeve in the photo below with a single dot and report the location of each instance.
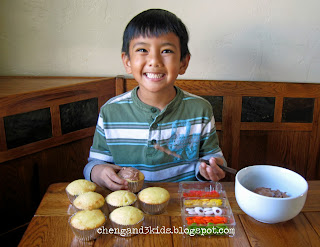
(99, 151)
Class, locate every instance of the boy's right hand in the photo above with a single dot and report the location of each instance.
(105, 175)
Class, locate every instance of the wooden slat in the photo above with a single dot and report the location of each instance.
(313, 169)
(55, 120)
(244, 88)
(231, 117)
(120, 85)
(13, 85)
(300, 231)
(276, 126)
(278, 109)
(3, 143)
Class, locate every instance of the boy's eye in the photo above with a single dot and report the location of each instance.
(141, 50)
(167, 51)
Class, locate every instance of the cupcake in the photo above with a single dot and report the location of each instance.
(85, 224)
(126, 220)
(134, 177)
(89, 201)
(120, 198)
(79, 187)
(154, 200)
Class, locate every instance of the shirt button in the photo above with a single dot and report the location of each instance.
(153, 142)
(153, 110)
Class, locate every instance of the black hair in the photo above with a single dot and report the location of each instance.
(153, 23)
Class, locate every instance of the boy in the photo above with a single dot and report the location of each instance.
(155, 51)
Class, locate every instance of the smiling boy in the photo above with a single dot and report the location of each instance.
(155, 51)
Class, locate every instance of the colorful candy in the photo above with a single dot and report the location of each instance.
(204, 211)
(204, 220)
(203, 202)
(200, 193)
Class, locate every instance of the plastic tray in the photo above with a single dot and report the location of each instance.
(205, 209)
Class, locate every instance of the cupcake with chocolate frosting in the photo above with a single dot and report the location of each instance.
(134, 177)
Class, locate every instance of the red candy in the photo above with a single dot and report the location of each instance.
(203, 220)
(199, 193)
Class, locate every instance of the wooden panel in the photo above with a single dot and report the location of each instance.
(3, 144)
(244, 88)
(231, 129)
(55, 119)
(24, 180)
(120, 85)
(256, 231)
(281, 148)
(313, 165)
(27, 94)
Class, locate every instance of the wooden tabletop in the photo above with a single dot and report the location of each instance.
(49, 226)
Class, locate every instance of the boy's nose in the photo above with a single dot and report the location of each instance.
(155, 60)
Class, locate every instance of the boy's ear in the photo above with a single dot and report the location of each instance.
(184, 64)
(126, 62)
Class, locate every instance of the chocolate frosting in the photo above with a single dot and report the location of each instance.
(130, 173)
(271, 193)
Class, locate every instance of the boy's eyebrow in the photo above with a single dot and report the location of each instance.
(163, 44)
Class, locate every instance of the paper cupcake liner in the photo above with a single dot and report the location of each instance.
(135, 186)
(85, 235)
(71, 197)
(104, 209)
(126, 230)
(153, 208)
(112, 207)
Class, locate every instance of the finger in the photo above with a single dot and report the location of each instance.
(113, 186)
(219, 173)
(115, 178)
(203, 171)
(212, 176)
(115, 166)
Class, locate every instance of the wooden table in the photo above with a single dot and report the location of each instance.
(49, 226)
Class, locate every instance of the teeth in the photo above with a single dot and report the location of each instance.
(154, 76)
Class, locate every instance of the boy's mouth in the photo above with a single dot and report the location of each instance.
(154, 75)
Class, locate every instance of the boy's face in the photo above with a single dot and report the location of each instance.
(155, 62)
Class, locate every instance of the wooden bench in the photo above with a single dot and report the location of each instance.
(261, 122)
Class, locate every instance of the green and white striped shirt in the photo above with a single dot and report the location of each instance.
(127, 130)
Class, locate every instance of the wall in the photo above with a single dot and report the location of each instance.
(260, 40)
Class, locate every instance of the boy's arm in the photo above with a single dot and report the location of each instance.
(209, 149)
(99, 151)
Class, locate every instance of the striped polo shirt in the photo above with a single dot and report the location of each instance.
(128, 129)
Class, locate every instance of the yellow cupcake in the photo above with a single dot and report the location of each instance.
(79, 187)
(127, 220)
(120, 198)
(85, 223)
(154, 200)
(89, 201)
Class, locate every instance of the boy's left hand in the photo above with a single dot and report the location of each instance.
(212, 172)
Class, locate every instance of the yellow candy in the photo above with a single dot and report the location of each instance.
(203, 202)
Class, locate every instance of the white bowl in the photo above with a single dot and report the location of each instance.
(269, 209)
